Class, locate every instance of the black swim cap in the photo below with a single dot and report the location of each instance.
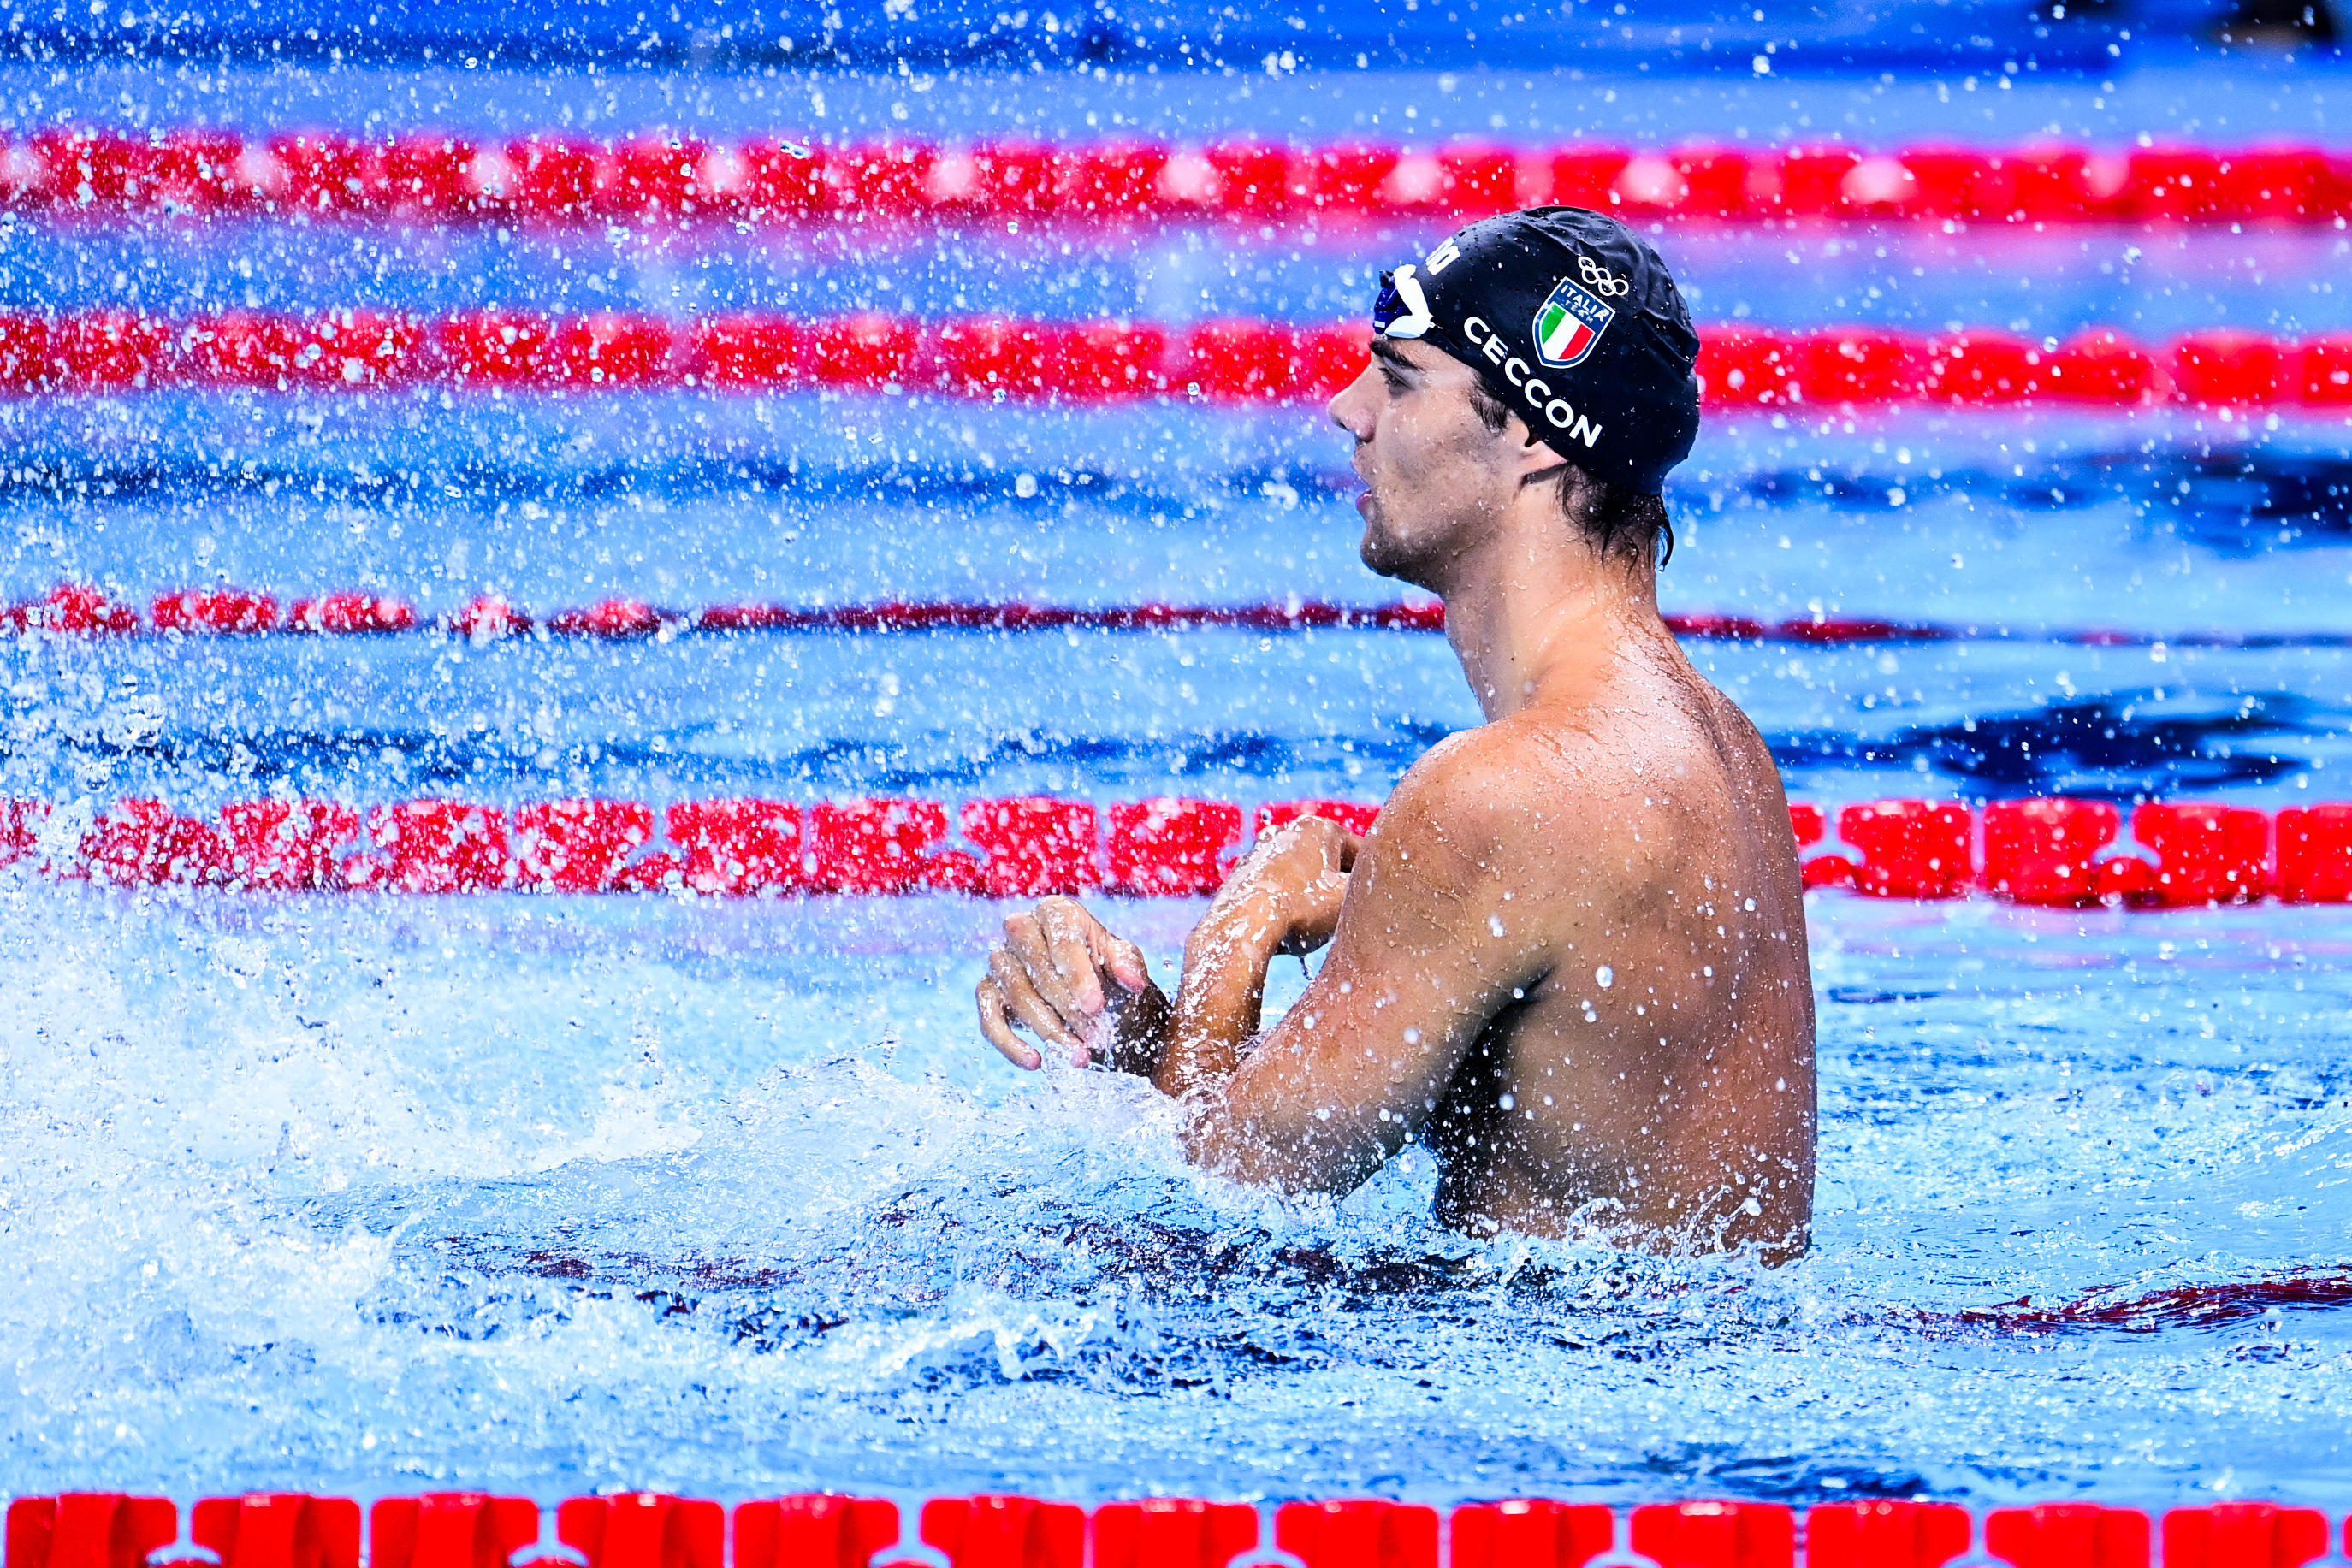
(1572, 320)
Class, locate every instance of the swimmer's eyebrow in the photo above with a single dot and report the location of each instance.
(1393, 357)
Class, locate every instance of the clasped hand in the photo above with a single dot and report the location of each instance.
(1087, 993)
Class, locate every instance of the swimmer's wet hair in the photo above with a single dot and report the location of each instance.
(1624, 522)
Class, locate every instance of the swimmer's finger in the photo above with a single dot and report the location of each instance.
(1338, 844)
(1032, 950)
(1032, 1011)
(1052, 953)
(995, 1025)
(1113, 955)
(1072, 941)
(1124, 961)
(1108, 952)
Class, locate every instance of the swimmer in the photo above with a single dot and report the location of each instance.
(1568, 959)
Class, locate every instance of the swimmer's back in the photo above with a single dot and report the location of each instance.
(1656, 1079)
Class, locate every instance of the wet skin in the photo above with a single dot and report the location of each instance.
(1568, 959)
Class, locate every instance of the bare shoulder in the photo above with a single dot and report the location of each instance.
(1537, 775)
(1454, 790)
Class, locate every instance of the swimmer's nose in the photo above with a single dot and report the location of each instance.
(1353, 407)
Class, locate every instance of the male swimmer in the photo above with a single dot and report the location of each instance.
(1570, 957)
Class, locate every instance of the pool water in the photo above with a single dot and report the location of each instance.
(348, 1192)
(543, 1194)
(539, 1193)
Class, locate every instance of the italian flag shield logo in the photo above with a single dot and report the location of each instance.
(1570, 323)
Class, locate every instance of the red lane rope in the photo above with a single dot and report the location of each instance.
(554, 178)
(80, 610)
(2219, 1305)
(2049, 852)
(648, 1530)
(1228, 363)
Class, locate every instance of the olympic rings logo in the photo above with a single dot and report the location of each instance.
(1601, 279)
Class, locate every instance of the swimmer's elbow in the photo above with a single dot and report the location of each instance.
(1213, 1143)
(1245, 1152)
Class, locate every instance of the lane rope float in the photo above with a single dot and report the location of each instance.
(558, 178)
(1103, 362)
(84, 610)
(2050, 852)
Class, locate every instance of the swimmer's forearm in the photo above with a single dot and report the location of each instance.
(1219, 1000)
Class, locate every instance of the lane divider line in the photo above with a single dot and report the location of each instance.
(553, 178)
(82, 609)
(1226, 362)
(2049, 852)
(654, 1530)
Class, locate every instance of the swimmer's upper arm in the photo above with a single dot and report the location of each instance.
(1428, 951)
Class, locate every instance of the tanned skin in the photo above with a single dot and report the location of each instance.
(1570, 959)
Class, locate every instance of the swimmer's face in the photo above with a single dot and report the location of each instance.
(1434, 474)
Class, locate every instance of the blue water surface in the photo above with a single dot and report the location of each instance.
(373, 1194)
